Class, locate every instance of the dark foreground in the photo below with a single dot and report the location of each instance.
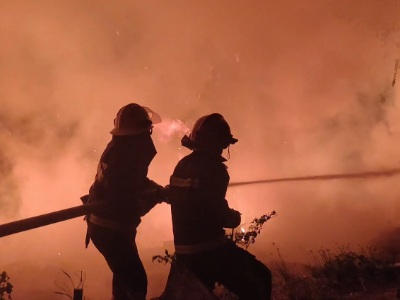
(369, 273)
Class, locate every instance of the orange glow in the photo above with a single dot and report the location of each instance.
(305, 85)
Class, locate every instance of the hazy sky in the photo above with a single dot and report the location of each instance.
(305, 85)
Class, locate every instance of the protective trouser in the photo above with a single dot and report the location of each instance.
(234, 268)
(120, 251)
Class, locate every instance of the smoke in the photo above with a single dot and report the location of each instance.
(306, 87)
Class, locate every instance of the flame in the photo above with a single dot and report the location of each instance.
(243, 230)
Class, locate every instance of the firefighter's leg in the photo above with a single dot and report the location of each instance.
(200, 266)
(129, 282)
(121, 254)
(241, 273)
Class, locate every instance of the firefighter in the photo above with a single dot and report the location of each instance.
(200, 213)
(120, 180)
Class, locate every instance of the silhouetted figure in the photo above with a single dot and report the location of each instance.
(121, 177)
(200, 213)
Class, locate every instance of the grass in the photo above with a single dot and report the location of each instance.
(76, 293)
(342, 272)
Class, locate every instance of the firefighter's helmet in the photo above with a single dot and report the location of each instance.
(134, 119)
(210, 132)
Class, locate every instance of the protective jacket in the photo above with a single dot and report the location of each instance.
(199, 209)
(122, 176)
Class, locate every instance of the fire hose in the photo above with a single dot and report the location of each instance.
(396, 67)
(81, 210)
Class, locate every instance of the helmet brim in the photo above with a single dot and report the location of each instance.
(154, 117)
(120, 132)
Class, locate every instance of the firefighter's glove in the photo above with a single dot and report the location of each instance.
(161, 194)
(164, 194)
(158, 195)
(232, 219)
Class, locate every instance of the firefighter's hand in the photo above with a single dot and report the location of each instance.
(232, 219)
(150, 198)
(159, 194)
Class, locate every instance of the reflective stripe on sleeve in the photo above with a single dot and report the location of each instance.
(180, 182)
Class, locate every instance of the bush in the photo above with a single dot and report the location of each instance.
(335, 274)
(5, 286)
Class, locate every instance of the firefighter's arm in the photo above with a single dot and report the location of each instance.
(149, 194)
(152, 194)
(155, 191)
(230, 217)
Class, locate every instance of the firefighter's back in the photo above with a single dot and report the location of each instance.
(198, 185)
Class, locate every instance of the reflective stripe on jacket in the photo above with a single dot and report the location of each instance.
(110, 224)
